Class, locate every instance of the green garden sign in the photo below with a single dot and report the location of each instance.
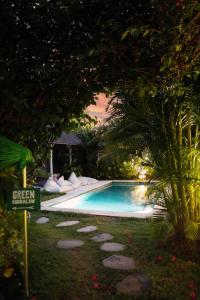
(22, 199)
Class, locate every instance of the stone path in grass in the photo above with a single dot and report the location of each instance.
(42, 220)
(119, 262)
(135, 284)
(112, 247)
(102, 237)
(69, 244)
(67, 223)
(87, 229)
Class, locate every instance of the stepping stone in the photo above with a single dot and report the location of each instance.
(87, 229)
(135, 284)
(42, 220)
(69, 244)
(112, 247)
(102, 237)
(67, 223)
(119, 262)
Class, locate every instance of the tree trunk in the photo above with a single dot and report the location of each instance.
(180, 179)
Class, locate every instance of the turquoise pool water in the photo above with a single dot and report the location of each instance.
(115, 198)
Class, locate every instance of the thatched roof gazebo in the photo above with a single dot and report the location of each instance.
(68, 139)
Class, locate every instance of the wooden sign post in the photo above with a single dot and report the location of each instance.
(24, 199)
(26, 277)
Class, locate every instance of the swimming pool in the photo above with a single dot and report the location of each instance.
(116, 199)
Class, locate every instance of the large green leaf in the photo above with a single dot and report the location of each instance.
(12, 154)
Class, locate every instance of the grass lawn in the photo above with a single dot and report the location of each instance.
(59, 274)
(47, 195)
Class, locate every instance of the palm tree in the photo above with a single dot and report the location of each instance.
(168, 126)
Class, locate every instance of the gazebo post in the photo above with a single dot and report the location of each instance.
(70, 155)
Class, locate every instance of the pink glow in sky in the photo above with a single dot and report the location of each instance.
(99, 110)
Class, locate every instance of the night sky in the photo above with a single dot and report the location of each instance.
(99, 110)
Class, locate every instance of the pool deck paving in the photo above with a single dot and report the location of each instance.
(56, 204)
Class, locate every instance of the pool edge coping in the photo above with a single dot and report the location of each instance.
(48, 204)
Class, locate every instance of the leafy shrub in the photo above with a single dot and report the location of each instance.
(11, 244)
(113, 169)
(41, 173)
(11, 247)
(69, 169)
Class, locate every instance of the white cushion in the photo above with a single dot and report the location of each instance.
(83, 180)
(74, 179)
(86, 180)
(62, 182)
(76, 185)
(65, 188)
(92, 180)
(51, 186)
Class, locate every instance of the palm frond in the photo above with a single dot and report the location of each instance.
(192, 231)
(13, 155)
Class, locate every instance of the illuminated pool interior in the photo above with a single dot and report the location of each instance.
(118, 197)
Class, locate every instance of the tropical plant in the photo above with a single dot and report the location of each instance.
(13, 158)
(168, 126)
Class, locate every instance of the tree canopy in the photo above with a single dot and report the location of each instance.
(56, 55)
